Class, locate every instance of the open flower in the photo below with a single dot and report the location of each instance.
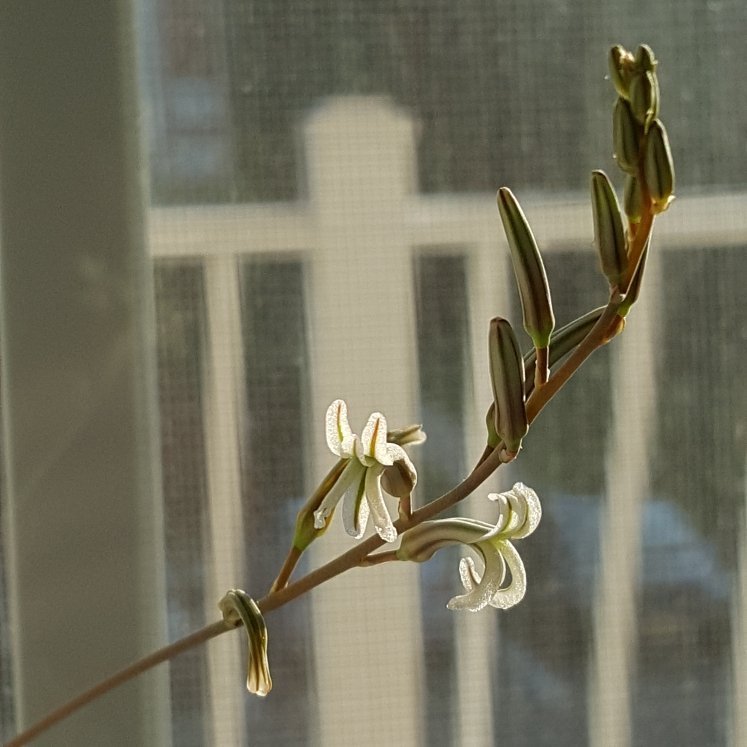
(369, 459)
(519, 513)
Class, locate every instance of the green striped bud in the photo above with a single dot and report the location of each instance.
(490, 421)
(240, 609)
(633, 199)
(658, 168)
(534, 292)
(507, 379)
(626, 136)
(644, 59)
(620, 62)
(609, 233)
(644, 98)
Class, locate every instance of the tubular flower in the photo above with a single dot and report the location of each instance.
(369, 458)
(519, 513)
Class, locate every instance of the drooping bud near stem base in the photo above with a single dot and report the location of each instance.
(238, 608)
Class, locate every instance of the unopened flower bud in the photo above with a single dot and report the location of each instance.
(507, 379)
(620, 64)
(240, 609)
(658, 168)
(534, 292)
(644, 101)
(626, 136)
(633, 199)
(399, 479)
(644, 58)
(609, 233)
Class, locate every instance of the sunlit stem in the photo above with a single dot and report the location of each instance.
(378, 558)
(405, 508)
(542, 367)
(291, 560)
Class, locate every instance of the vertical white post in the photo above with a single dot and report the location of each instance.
(223, 410)
(476, 634)
(367, 642)
(628, 470)
(85, 524)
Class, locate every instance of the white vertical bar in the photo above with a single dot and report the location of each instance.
(367, 641)
(739, 634)
(628, 471)
(223, 411)
(85, 525)
(476, 634)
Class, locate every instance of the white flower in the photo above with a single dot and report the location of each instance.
(369, 458)
(519, 513)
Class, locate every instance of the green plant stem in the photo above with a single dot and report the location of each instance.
(359, 554)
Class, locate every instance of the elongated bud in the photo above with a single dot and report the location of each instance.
(609, 233)
(240, 609)
(633, 199)
(626, 136)
(643, 98)
(620, 62)
(507, 379)
(536, 304)
(490, 422)
(644, 58)
(658, 168)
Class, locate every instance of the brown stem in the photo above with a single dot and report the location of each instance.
(357, 555)
(378, 558)
(291, 560)
(167, 652)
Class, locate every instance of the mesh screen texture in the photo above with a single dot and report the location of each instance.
(486, 94)
(498, 93)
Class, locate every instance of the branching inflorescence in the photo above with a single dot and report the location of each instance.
(522, 385)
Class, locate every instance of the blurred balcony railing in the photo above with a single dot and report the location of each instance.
(358, 237)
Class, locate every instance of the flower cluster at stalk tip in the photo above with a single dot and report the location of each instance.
(519, 513)
(372, 459)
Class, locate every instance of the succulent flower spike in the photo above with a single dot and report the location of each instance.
(240, 609)
(507, 379)
(609, 233)
(519, 513)
(534, 291)
(369, 460)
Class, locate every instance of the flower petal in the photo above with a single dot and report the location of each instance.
(533, 509)
(352, 470)
(339, 436)
(355, 507)
(488, 586)
(520, 512)
(422, 541)
(379, 512)
(513, 593)
(373, 445)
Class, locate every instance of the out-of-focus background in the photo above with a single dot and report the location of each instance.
(217, 216)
